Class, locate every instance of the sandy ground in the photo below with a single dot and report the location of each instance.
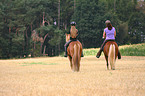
(52, 76)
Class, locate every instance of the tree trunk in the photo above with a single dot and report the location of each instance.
(10, 42)
(42, 45)
(41, 48)
(43, 19)
(65, 25)
(58, 14)
(44, 50)
(26, 42)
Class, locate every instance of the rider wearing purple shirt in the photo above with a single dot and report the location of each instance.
(109, 34)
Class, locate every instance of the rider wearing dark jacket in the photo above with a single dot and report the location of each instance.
(73, 36)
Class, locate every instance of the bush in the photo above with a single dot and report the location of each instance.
(133, 50)
(125, 50)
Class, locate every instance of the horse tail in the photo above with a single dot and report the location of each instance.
(76, 57)
(111, 56)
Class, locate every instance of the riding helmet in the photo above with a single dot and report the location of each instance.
(73, 23)
(107, 21)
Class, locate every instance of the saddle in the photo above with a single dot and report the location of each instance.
(106, 42)
(73, 39)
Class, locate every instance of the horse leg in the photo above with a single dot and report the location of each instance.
(77, 66)
(79, 63)
(70, 59)
(74, 65)
(106, 57)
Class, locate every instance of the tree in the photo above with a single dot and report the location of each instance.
(67, 11)
(20, 18)
(136, 27)
(90, 22)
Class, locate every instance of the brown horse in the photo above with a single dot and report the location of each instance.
(74, 52)
(111, 52)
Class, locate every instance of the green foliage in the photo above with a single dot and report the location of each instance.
(136, 27)
(90, 52)
(66, 12)
(19, 18)
(4, 48)
(43, 30)
(57, 37)
(35, 52)
(130, 50)
(124, 8)
(123, 32)
(133, 50)
(54, 34)
(52, 38)
(90, 22)
(17, 46)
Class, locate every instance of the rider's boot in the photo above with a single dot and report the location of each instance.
(82, 55)
(65, 55)
(99, 53)
(101, 49)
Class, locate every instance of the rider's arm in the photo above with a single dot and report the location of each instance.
(104, 35)
(69, 35)
(115, 34)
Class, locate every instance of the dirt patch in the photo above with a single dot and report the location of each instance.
(54, 77)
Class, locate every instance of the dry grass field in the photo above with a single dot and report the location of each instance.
(52, 76)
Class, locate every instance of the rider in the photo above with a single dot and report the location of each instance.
(109, 34)
(73, 37)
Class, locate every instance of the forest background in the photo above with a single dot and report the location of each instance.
(37, 27)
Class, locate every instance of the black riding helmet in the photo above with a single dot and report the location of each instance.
(73, 23)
